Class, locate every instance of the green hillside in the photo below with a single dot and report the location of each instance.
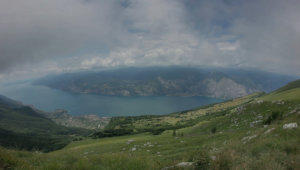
(289, 86)
(289, 92)
(24, 128)
(244, 133)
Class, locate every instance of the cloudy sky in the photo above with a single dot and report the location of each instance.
(39, 37)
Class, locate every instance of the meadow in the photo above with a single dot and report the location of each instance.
(244, 133)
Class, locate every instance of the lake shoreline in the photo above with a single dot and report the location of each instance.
(49, 99)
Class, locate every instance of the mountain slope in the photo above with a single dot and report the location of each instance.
(291, 91)
(244, 133)
(167, 81)
(24, 128)
(289, 86)
(62, 117)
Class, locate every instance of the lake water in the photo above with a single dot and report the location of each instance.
(48, 99)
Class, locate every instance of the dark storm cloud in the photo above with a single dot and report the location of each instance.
(46, 36)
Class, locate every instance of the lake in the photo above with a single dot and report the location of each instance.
(48, 99)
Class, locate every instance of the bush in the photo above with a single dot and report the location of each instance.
(202, 160)
(213, 130)
(157, 131)
(112, 132)
(174, 132)
(223, 161)
(274, 116)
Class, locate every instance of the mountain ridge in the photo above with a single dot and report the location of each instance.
(167, 81)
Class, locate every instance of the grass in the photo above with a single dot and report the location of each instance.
(240, 134)
(24, 128)
(291, 94)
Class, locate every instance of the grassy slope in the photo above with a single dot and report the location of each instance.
(289, 92)
(289, 86)
(244, 135)
(24, 128)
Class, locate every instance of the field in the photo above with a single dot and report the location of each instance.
(244, 133)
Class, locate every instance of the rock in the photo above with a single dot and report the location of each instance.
(290, 126)
(180, 165)
(248, 138)
(260, 117)
(269, 130)
(130, 141)
(213, 158)
(293, 111)
(278, 102)
(252, 124)
(259, 101)
(185, 164)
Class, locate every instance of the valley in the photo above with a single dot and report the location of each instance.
(258, 131)
(149, 85)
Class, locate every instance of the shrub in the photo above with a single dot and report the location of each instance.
(157, 131)
(213, 130)
(174, 132)
(112, 132)
(202, 160)
(223, 161)
(274, 116)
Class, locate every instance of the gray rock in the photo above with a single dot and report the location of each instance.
(130, 141)
(248, 138)
(269, 130)
(185, 164)
(290, 126)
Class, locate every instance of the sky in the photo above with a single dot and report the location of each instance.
(40, 37)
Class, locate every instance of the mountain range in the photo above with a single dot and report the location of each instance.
(168, 81)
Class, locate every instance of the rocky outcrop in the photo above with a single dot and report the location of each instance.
(225, 88)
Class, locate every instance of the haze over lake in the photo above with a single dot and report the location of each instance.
(48, 99)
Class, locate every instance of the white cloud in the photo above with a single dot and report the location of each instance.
(226, 46)
(67, 35)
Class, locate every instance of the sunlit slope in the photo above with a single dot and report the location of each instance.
(289, 92)
(158, 123)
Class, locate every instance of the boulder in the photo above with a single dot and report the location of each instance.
(290, 126)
